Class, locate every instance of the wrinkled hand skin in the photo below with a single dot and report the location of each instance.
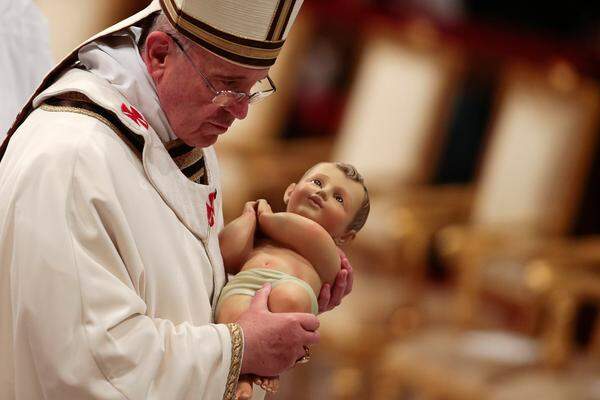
(329, 298)
(274, 341)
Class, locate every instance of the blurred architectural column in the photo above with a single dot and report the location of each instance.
(24, 56)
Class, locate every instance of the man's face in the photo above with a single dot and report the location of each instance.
(327, 196)
(185, 97)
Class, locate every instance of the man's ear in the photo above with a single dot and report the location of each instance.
(288, 193)
(346, 238)
(158, 47)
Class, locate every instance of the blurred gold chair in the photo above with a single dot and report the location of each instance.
(500, 365)
(392, 132)
(394, 126)
(531, 182)
(539, 152)
(543, 138)
(577, 376)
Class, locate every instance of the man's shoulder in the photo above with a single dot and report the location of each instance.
(60, 136)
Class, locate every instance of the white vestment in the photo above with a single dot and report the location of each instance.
(24, 56)
(109, 261)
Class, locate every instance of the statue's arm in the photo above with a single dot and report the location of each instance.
(307, 238)
(237, 239)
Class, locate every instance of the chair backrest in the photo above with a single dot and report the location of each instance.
(391, 128)
(540, 149)
(573, 289)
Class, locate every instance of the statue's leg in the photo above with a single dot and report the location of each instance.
(232, 307)
(289, 297)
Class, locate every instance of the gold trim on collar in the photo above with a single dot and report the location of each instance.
(199, 177)
(185, 160)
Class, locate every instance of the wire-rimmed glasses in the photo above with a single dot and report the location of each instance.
(225, 98)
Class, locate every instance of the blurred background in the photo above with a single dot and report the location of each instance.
(475, 124)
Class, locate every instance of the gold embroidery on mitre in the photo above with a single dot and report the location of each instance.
(283, 19)
(237, 351)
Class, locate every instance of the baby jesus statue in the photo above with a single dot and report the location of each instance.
(296, 251)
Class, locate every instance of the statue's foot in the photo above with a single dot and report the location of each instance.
(270, 384)
(244, 388)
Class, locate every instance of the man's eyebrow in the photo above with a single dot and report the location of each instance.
(227, 77)
(230, 77)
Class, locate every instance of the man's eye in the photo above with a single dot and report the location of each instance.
(231, 85)
(339, 199)
(317, 182)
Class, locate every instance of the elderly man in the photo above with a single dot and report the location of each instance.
(110, 210)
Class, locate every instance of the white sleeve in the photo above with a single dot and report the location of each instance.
(79, 321)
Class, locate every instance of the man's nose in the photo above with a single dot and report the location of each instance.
(239, 109)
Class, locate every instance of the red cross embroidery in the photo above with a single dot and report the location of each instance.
(135, 115)
(210, 208)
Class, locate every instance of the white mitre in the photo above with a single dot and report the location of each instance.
(250, 33)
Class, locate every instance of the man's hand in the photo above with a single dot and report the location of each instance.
(274, 341)
(330, 298)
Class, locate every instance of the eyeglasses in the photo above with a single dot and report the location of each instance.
(226, 98)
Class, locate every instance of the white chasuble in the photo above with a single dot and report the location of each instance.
(109, 261)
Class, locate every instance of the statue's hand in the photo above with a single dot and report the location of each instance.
(250, 207)
(263, 207)
(331, 297)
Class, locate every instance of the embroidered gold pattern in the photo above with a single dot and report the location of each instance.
(173, 143)
(237, 350)
(199, 177)
(185, 160)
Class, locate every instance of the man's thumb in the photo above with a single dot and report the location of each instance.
(261, 298)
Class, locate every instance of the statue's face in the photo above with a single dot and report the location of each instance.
(327, 196)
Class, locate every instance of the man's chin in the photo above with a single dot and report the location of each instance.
(204, 141)
(204, 137)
